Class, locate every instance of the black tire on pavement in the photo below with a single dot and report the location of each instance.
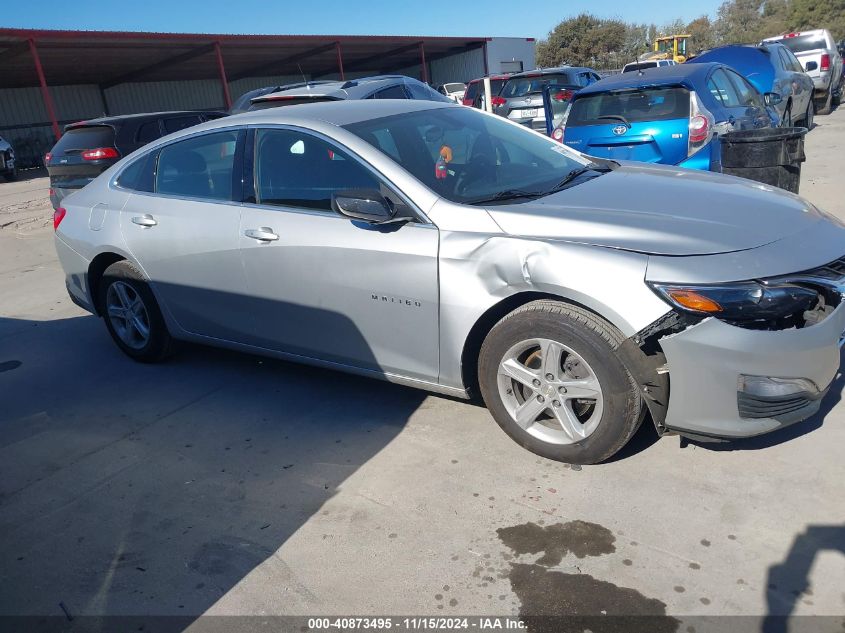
(159, 344)
(810, 115)
(825, 105)
(596, 341)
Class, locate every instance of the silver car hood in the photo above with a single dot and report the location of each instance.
(662, 211)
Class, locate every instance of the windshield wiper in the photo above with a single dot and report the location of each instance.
(576, 173)
(615, 117)
(509, 194)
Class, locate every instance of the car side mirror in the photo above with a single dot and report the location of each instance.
(368, 205)
(811, 66)
(772, 98)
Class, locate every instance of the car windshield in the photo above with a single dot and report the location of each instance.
(801, 43)
(454, 87)
(522, 86)
(629, 106)
(79, 139)
(468, 156)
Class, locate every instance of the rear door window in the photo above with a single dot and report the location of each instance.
(393, 92)
(79, 139)
(139, 175)
(723, 90)
(199, 167)
(650, 104)
(472, 90)
(148, 132)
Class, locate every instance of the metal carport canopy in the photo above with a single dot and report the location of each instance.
(107, 58)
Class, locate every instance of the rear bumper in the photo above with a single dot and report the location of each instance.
(75, 267)
(57, 194)
(706, 362)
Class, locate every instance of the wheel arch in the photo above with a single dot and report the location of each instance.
(494, 313)
(96, 269)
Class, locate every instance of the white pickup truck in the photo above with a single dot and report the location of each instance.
(818, 54)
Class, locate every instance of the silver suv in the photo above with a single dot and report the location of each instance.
(820, 58)
(521, 98)
(449, 249)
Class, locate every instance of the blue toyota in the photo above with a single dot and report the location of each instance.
(671, 115)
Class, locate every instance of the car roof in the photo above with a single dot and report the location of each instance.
(122, 118)
(333, 112)
(686, 74)
(333, 89)
(549, 71)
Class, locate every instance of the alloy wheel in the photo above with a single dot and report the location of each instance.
(550, 391)
(128, 315)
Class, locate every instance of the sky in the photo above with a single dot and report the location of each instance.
(491, 18)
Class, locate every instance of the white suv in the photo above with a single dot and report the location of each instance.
(818, 54)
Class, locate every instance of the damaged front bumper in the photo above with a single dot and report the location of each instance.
(730, 382)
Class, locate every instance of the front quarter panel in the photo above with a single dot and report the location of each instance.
(479, 270)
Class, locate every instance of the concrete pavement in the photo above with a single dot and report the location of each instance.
(222, 483)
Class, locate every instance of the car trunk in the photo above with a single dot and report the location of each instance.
(72, 165)
(648, 124)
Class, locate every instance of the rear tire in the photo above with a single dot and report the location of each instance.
(132, 314)
(570, 351)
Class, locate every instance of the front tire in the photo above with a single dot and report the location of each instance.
(550, 376)
(786, 121)
(132, 314)
(12, 176)
(810, 115)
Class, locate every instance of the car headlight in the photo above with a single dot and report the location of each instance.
(746, 301)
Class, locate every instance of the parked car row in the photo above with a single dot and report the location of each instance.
(8, 167)
(676, 114)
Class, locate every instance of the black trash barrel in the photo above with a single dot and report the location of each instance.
(769, 155)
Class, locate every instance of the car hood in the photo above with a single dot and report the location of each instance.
(662, 210)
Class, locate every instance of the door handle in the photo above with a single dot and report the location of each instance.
(145, 220)
(264, 234)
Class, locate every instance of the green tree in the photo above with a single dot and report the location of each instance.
(702, 35)
(584, 40)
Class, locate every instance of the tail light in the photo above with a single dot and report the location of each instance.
(701, 124)
(58, 216)
(100, 153)
(47, 158)
(825, 65)
(557, 134)
(498, 101)
(563, 95)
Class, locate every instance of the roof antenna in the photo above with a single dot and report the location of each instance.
(304, 80)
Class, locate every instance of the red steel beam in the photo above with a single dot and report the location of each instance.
(45, 91)
(227, 97)
(339, 60)
(422, 63)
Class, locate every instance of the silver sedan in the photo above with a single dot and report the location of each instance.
(452, 250)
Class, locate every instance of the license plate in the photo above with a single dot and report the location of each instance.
(529, 114)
